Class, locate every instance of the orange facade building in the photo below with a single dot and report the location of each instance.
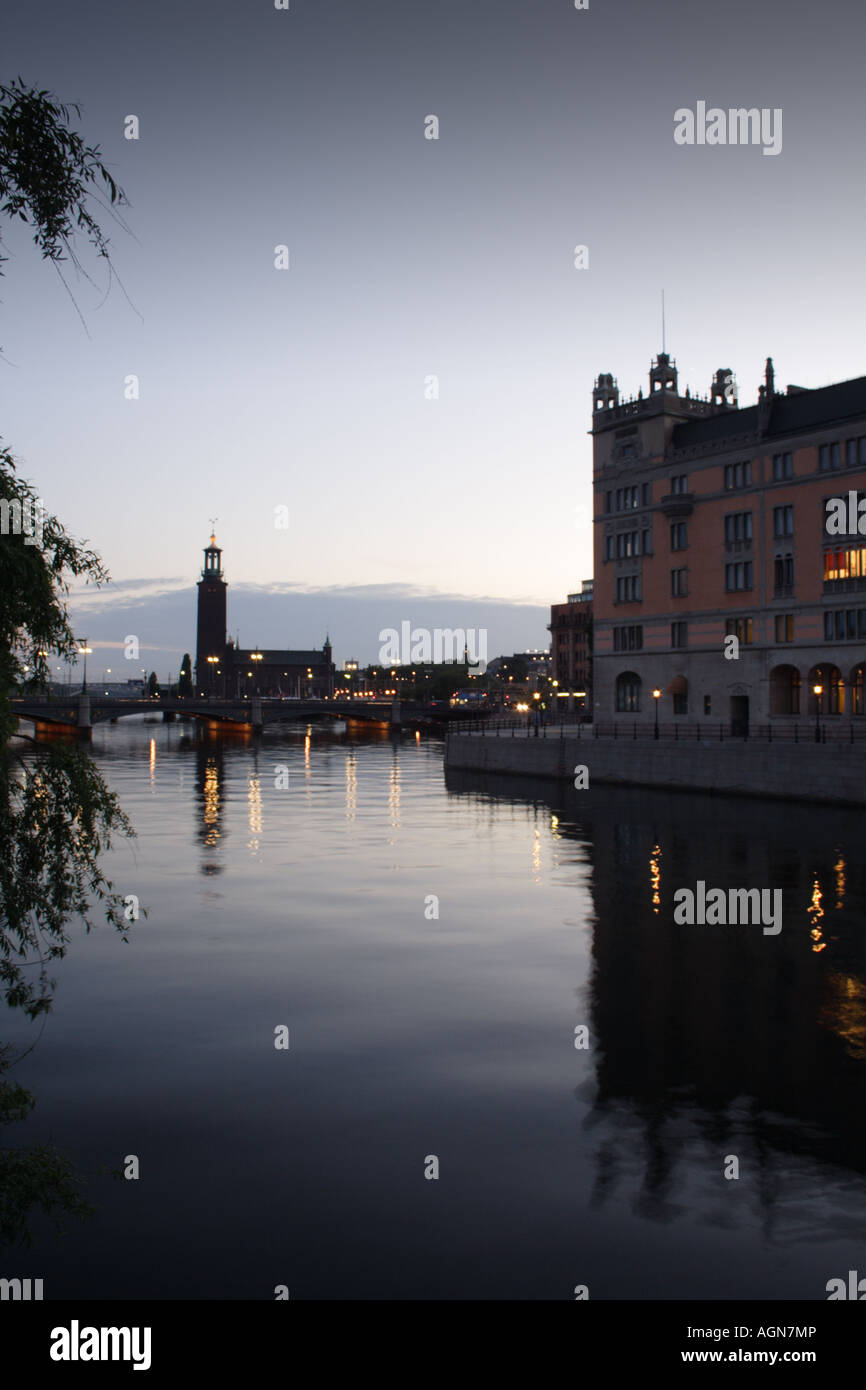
(710, 523)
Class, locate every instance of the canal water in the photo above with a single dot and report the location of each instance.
(431, 945)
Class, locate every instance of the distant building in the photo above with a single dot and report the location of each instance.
(222, 668)
(710, 523)
(570, 631)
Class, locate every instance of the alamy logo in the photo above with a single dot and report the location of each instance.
(76, 1343)
(846, 518)
(856, 1288)
(739, 906)
(739, 125)
(415, 646)
(18, 1290)
(27, 521)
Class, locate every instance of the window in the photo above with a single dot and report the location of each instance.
(783, 574)
(784, 627)
(628, 639)
(609, 543)
(783, 467)
(679, 535)
(679, 583)
(740, 628)
(738, 527)
(738, 576)
(608, 501)
(628, 693)
(738, 474)
(681, 702)
(680, 483)
(647, 495)
(828, 457)
(845, 564)
(845, 625)
(708, 704)
(628, 589)
(783, 521)
(627, 498)
(627, 545)
(679, 634)
(646, 545)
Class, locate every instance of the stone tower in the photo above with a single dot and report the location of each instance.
(211, 629)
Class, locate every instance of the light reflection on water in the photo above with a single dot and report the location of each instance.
(304, 905)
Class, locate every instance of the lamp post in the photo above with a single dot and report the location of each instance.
(657, 694)
(818, 691)
(85, 652)
(256, 656)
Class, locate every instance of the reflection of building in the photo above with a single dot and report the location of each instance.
(570, 631)
(710, 523)
(233, 671)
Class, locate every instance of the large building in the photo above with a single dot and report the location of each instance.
(570, 629)
(710, 523)
(225, 669)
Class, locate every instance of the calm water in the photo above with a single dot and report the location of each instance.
(414, 1036)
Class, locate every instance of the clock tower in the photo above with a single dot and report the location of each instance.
(211, 631)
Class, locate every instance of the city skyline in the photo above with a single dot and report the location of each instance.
(409, 258)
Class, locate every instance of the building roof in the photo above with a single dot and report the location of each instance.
(271, 657)
(801, 411)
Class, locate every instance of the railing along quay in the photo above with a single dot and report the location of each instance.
(803, 731)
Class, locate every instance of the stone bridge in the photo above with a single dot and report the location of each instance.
(80, 710)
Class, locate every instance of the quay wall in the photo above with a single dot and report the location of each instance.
(819, 772)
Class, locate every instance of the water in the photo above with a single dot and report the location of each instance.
(414, 1036)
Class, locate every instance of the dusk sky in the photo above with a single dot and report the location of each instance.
(305, 388)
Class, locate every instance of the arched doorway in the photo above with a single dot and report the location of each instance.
(679, 692)
(785, 687)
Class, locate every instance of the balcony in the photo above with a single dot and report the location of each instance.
(677, 504)
(844, 586)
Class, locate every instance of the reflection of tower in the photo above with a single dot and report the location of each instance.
(211, 631)
(329, 667)
(209, 758)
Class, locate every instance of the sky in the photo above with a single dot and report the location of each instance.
(300, 392)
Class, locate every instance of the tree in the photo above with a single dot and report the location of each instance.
(152, 685)
(57, 815)
(184, 682)
(48, 175)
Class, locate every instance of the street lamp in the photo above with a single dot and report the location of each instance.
(818, 691)
(257, 656)
(657, 694)
(85, 651)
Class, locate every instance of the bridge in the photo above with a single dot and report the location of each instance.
(79, 711)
